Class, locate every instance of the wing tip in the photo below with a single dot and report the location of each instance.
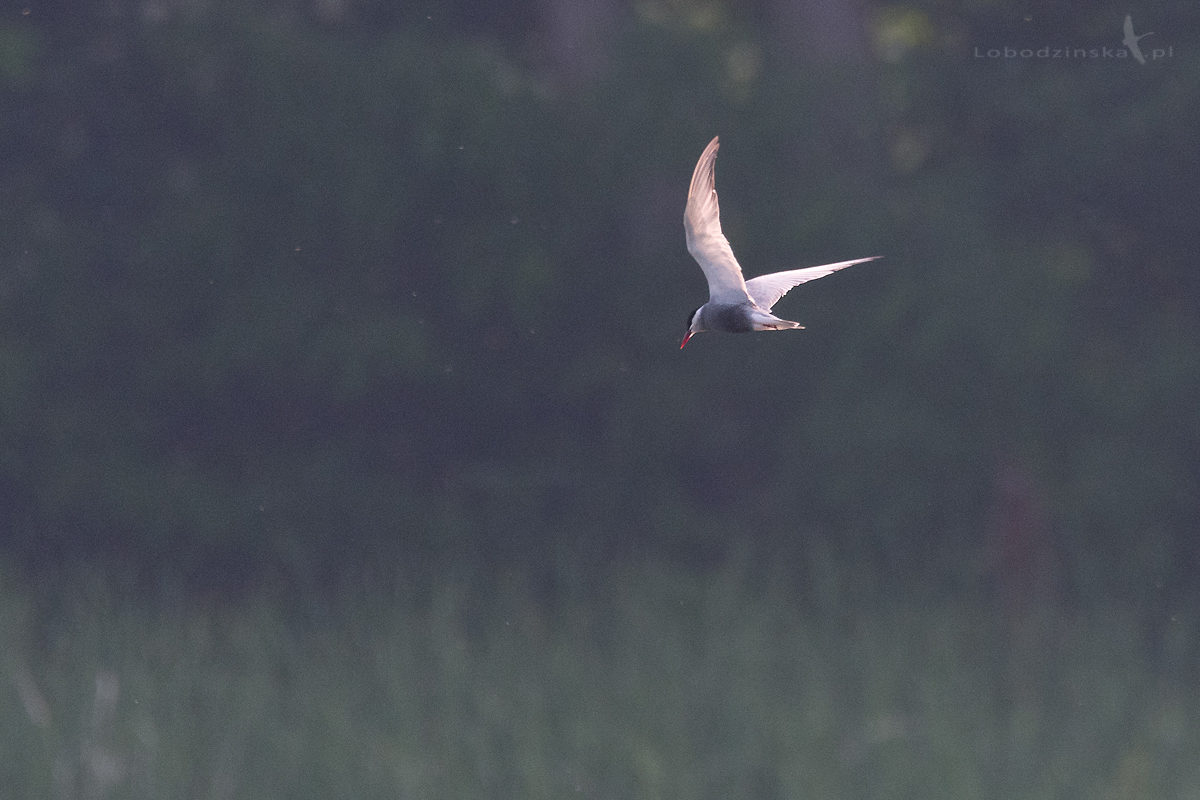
(703, 179)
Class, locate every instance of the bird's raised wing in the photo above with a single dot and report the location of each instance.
(766, 290)
(706, 243)
(1129, 28)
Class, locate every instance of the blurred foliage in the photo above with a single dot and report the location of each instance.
(647, 682)
(287, 287)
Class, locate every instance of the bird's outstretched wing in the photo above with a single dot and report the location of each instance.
(706, 243)
(766, 290)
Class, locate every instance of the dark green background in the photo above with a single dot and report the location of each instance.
(290, 288)
(347, 448)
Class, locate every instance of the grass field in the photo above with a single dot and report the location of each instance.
(651, 681)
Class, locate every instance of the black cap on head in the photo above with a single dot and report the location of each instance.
(687, 332)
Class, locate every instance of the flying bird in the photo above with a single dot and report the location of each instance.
(735, 305)
(1131, 41)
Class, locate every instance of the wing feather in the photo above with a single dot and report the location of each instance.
(766, 290)
(705, 241)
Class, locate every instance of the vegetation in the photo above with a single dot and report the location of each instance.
(275, 276)
(346, 447)
(651, 682)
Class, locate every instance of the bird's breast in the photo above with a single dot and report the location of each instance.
(727, 317)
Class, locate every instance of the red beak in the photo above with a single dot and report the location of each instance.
(686, 336)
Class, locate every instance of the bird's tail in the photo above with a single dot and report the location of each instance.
(763, 321)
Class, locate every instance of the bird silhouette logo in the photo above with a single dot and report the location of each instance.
(1131, 40)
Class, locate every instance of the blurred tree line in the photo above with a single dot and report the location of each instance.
(293, 286)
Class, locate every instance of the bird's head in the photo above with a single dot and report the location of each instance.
(694, 327)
